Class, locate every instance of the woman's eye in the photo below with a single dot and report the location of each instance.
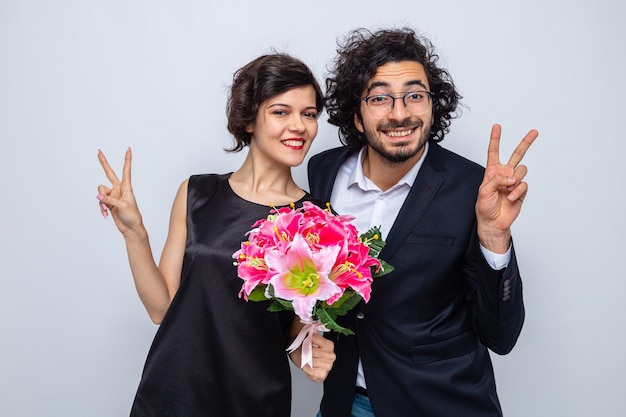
(310, 115)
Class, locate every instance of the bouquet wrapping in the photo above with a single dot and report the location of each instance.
(313, 262)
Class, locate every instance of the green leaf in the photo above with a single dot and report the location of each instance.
(385, 269)
(322, 315)
(347, 302)
(348, 293)
(375, 247)
(278, 306)
(257, 294)
(375, 244)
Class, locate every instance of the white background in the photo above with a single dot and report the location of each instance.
(78, 75)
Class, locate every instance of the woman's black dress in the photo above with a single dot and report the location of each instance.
(216, 354)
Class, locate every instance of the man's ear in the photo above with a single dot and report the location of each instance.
(358, 123)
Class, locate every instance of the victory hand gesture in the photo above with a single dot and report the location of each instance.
(501, 193)
(119, 199)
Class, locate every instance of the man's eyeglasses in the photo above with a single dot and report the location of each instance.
(416, 102)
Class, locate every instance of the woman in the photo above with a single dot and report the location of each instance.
(214, 353)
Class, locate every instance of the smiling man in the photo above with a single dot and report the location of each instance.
(422, 342)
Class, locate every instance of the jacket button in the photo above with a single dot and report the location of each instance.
(360, 315)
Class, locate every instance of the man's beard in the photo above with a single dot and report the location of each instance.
(400, 153)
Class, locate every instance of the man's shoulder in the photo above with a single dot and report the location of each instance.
(330, 157)
(331, 153)
(448, 159)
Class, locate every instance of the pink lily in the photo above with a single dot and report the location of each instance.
(301, 276)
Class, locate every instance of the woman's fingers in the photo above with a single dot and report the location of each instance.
(102, 206)
(107, 168)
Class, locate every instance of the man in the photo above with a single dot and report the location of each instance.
(421, 343)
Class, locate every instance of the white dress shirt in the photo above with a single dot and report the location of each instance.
(353, 193)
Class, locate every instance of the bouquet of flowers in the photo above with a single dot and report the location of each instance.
(311, 261)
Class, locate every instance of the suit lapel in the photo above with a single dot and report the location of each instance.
(426, 185)
(323, 177)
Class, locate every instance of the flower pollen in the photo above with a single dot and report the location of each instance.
(310, 280)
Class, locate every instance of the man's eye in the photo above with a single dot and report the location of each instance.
(379, 99)
(414, 96)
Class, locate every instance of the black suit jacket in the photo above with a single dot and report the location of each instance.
(423, 336)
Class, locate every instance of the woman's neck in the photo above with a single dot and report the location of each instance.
(267, 185)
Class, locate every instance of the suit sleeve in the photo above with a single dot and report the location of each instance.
(498, 301)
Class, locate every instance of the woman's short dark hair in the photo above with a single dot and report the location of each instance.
(358, 58)
(263, 78)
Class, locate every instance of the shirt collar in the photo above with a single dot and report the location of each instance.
(359, 179)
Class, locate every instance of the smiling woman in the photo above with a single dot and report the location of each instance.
(201, 360)
(280, 135)
(79, 75)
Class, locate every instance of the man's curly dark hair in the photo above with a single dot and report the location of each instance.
(358, 58)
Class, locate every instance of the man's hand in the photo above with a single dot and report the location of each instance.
(501, 193)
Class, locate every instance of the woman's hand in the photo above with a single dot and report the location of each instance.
(323, 354)
(323, 359)
(118, 199)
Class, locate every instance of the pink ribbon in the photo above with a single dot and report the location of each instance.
(305, 338)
